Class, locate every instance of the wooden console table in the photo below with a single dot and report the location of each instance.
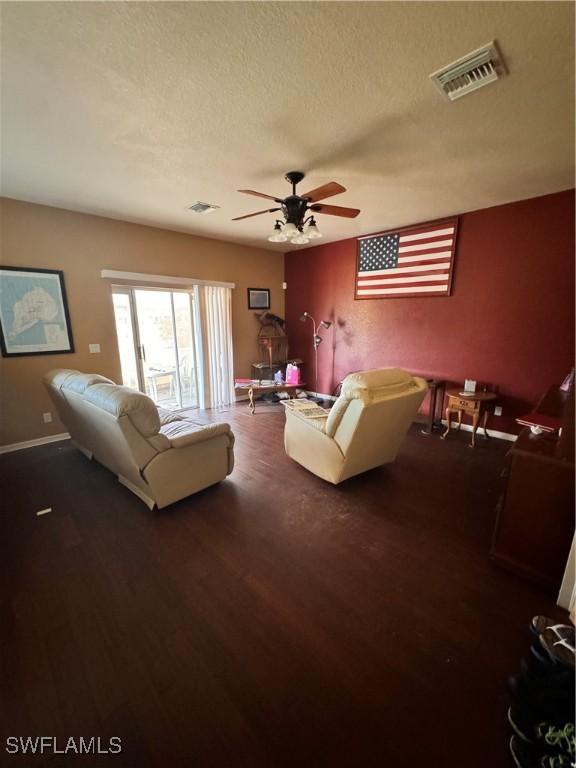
(476, 404)
(255, 389)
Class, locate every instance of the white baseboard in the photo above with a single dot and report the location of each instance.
(466, 427)
(33, 443)
(492, 432)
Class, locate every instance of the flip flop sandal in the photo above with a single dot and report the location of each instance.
(561, 650)
(541, 623)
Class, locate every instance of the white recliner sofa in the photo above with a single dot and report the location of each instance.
(364, 429)
(160, 456)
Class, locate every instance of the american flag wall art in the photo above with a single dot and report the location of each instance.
(408, 262)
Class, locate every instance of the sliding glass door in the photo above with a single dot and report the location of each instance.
(155, 331)
(158, 354)
(184, 330)
(127, 339)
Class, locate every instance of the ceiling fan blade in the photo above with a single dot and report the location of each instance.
(326, 190)
(260, 194)
(248, 215)
(335, 210)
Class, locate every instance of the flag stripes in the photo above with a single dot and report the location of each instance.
(382, 291)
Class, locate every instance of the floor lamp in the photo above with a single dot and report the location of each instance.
(316, 341)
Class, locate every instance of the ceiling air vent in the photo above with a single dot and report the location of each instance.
(470, 72)
(203, 207)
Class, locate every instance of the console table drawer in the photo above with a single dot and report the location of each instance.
(466, 405)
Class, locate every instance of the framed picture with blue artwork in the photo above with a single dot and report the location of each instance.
(34, 318)
(258, 298)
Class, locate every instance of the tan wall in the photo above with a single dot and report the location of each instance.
(81, 246)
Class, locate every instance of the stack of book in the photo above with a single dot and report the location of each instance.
(306, 408)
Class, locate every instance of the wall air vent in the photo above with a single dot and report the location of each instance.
(203, 208)
(469, 73)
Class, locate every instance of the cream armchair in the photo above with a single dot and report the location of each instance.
(159, 455)
(364, 428)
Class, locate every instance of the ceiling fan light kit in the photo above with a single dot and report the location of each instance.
(290, 230)
(277, 235)
(298, 227)
(312, 232)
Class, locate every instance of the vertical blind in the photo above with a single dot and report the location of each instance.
(214, 341)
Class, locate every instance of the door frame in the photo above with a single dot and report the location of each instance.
(139, 348)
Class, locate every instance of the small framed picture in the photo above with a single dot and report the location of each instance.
(258, 298)
(34, 317)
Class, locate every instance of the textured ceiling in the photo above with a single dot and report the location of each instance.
(136, 110)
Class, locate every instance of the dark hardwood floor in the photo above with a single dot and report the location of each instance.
(272, 620)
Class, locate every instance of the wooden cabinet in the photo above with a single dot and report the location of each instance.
(535, 521)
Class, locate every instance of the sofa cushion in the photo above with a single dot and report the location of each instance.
(167, 417)
(122, 401)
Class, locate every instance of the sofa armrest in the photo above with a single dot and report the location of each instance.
(200, 434)
(317, 423)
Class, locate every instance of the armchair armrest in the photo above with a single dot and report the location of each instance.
(318, 422)
(200, 434)
(309, 445)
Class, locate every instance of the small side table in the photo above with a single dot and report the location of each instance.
(476, 404)
(254, 389)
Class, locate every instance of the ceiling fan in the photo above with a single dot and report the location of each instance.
(297, 226)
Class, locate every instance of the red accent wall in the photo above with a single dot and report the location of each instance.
(509, 321)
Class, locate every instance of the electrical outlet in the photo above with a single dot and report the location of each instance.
(498, 410)
(47, 417)
(94, 348)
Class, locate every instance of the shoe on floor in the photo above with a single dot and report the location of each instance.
(539, 654)
(528, 756)
(540, 623)
(521, 725)
(534, 671)
(561, 739)
(550, 709)
(559, 645)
